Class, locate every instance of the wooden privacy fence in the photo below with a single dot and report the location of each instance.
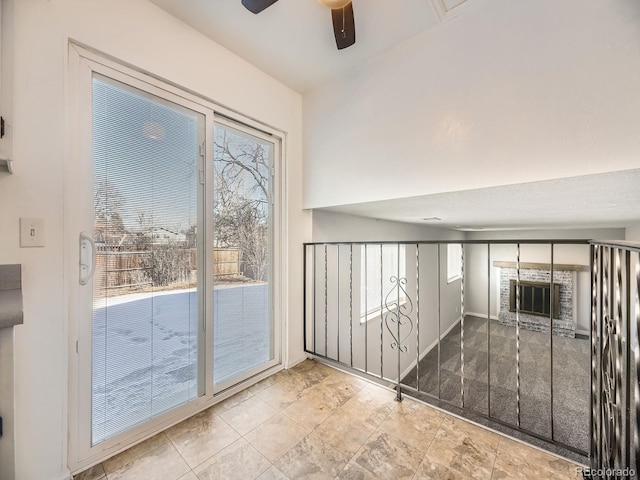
(125, 266)
(226, 262)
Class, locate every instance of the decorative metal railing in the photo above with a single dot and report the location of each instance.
(615, 358)
(451, 341)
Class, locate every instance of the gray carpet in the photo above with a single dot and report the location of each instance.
(571, 378)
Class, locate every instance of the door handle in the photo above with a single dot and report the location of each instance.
(87, 258)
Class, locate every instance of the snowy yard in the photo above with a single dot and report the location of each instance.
(145, 350)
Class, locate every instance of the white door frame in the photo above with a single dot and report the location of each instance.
(83, 62)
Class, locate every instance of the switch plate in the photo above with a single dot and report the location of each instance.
(31, 232)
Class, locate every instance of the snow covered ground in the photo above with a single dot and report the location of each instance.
(145, 350)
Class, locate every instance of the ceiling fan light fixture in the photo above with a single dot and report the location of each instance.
(335, 4)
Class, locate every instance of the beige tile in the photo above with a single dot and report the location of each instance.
(429, 470)
(273, 474)
(191, 423)
(464, 448)
(247, 415)
(264, 384)
(276, 436)
(312, 409)
(369, 407)
(340, 391)
(414, 423)
(232, 401)
(516, 460)
(284, 393)
(204, 441)
(94, 473)
(385, 456)
(313, 460)
(189, 476)
(354, 472)
(163, 463)
(128, 456)
(342, 378)
(238, 461)
(342, 432)
(455, 427)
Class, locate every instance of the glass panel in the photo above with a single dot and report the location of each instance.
(145, 313)
(243, 321)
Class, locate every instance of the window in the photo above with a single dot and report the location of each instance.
(380, 267)
(454, 262)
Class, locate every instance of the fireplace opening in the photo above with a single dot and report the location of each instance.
(535, 298)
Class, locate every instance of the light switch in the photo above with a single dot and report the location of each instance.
(31, 232)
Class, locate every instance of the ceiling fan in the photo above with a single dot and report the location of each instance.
(341, 14)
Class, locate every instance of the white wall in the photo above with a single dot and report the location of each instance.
(144, 36)
(338, 227)
(474, 101)
(476, 264)
(632, 233)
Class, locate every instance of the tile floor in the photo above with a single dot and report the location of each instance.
(315, 422)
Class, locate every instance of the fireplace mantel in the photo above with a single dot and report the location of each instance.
(543, 266)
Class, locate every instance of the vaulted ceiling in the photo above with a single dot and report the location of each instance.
(293, 39)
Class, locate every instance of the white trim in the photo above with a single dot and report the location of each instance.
(443, 14)
(433, 345)
(480, 315)
(375, 314)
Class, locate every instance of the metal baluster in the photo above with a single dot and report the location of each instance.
(604, 348)
(351, 303)
(551, 311)
(326, 304)
(366, 309)
(489, 329)
(314, 299)
(627, 286)
(338, 303)
(398, 389)
(518, 334)
(618, 461)
(462, 324)
(593, 420)
(381, 317)
(418, 316)
(637, 364)
(438, 288)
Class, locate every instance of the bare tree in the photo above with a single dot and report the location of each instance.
(107, 206)
(241, 204)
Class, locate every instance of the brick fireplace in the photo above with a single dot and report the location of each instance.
(564, 279)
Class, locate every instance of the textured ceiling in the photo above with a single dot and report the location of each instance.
(603, 200)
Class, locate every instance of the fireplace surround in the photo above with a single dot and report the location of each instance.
(565, 281)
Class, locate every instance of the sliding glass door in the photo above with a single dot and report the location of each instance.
(244, 339)
(146, 155)
(172, 227)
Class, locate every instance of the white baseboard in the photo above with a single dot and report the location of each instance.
(430, 347)
(480, 315)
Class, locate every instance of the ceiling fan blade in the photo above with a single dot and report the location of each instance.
(344, 27)
(256, 6)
